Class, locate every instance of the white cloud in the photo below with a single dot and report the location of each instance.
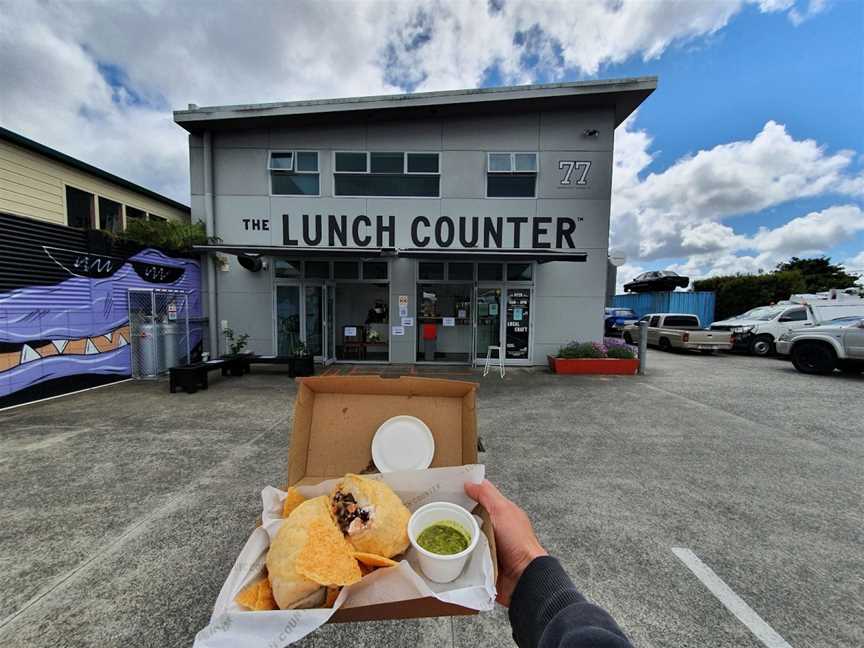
(814, 232)
(57, 90)
(690, 207)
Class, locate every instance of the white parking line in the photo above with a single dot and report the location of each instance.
(734, 603)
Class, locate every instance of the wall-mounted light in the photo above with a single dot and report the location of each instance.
(590, 132)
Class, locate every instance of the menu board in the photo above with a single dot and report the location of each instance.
(518, 319)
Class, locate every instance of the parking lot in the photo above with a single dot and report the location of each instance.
(124, 507)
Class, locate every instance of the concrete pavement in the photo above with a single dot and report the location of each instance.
(124, 507)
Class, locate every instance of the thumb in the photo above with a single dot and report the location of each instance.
(484, 493)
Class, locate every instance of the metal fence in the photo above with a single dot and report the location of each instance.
(699, 303)
(159, 330)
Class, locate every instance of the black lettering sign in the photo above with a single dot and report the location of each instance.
(538, 229)
(444, 240)
(390, 229)
(492, 233)
(415, 238)
(337, 229)
(366, 239)
(475, 232)
(312, 240)
(286, 232)
(565, 229)
(517, 222)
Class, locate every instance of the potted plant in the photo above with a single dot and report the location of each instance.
(609, 357)
(302, 362)
(234, 346)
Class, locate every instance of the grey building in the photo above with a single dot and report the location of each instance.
(410, 228)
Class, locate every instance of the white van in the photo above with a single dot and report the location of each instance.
(757, 330)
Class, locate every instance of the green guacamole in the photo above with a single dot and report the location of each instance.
(444, 538)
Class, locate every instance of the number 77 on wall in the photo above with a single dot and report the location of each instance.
(580, 167)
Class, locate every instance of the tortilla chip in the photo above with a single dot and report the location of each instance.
(365, 570)
(326, 557)
(373, 560)
(332, 595)
(292, 500)
(257, 596)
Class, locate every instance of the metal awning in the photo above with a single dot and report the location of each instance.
(540, 256)
(470, 254)
(291, 251)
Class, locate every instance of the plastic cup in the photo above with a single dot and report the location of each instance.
(437, 567)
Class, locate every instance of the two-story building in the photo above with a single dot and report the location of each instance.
(411, 228)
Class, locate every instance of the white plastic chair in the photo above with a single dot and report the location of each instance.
(489, 350)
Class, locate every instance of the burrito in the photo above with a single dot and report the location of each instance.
(308, 555)
(371, 515)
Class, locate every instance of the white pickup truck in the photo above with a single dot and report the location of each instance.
(678, 331)
(758, 330)
(838, 344)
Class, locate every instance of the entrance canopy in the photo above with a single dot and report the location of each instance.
(540, 256)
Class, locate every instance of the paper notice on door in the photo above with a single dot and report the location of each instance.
(517, 314)
(349, 331)
(493, 309)
(397, 330)
(403, 300)
(407, 321)
(449, 321)
(403, 310)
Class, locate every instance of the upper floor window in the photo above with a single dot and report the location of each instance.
(511, 175)
(386, 173)
(80, 208)
(110, 215)
(294, 173)
(133, 213)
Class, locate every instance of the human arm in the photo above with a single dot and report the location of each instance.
(546, 609)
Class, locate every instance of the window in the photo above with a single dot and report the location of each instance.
(285, 268)
(511, 175)
(294, 173)
(133, 213)
(519, 272)
(460, 271)
(655, 321)
(158, 219)
(430, 270)
(794, 315)
(346, 270)
(110, 215)
(386, 173)
(374, 269)
(317, 269)
(682, 321)
(489, 272)
(79, 208)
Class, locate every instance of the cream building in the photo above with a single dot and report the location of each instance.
(39, 182)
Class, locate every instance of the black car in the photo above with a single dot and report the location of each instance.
(657, 280)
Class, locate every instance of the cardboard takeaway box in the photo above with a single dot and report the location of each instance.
(335, 418)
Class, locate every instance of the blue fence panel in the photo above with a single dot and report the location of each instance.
(699, 303)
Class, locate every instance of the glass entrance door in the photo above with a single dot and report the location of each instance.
(287, 319)
(517, 339)
(488, 331)
(314, 321)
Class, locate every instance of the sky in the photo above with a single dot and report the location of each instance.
(750, 151)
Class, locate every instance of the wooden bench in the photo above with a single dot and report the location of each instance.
(192, 377)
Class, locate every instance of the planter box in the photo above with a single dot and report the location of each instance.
(603, 366)
(302, 366)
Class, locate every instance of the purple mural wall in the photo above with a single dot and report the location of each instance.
(72, 333)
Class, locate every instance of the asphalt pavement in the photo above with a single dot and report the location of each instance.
(124, 507)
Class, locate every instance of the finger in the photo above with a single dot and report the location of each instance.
(484, 492)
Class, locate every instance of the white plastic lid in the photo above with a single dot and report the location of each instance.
(403, 443)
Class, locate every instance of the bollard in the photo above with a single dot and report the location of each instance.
(643, 346)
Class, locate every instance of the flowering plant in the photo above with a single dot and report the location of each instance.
(609, 348)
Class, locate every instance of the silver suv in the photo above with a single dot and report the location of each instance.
(836, 344)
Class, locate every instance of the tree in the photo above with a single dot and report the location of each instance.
(819, 274)
(170, 236)
(736, 294)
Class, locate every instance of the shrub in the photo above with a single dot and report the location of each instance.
(582, 350)
(621, 352)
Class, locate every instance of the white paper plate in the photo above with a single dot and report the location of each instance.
(403, 443)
